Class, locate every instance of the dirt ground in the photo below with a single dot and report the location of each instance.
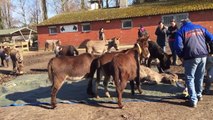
(167, 109)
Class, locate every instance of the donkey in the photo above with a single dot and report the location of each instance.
(157, 52)
(60, 68)
(100, 47)
(51, 44)
(126, 67)
(17, 59)
(101, 64)
(68, 50)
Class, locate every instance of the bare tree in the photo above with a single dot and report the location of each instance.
(117, 3)
(43, 10)
(20, 9)
(35, 13)
(82, 4)
(107, 3)
(6, 13)
(70, 5)
(55, 6)
(1, 20)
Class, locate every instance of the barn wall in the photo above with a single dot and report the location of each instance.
(113, 28)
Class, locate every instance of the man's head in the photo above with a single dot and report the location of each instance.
(183, 21)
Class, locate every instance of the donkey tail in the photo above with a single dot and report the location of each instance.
(50, 70)
(116, 75)
(93, 67)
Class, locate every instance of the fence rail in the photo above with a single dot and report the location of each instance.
(24, 46)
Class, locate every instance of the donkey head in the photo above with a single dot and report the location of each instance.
(165, 61)
(143, 45)
(114, 42)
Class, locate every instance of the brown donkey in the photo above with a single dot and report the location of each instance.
(60, 68)
(126, 67)
(102, 65)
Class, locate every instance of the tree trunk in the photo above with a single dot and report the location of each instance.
(43, 10)
(117, 3)
(100, 4)
(107, 3)
(1, 20)
(82, 5)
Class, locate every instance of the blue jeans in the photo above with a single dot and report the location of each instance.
(172, 48)
(194, 73)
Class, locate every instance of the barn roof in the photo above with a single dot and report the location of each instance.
(145, 9)
(16, 31)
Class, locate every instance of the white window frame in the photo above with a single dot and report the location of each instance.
(52, 27)
(174, 16)
(82, 27)
(127, 20)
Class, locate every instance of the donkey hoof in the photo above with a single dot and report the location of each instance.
(107, 94)
(53, 105)
(121, 106)
(98, 97)
(21, 72)
(140, 91)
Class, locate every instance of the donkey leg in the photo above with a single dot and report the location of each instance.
(149, 62)
(2, 61)
(97, 83)
(106, 81)
(123, 86)
(14, 66)
(57, 83)
(138, 86)
(132, 85)
(89, 87)
(7, 62)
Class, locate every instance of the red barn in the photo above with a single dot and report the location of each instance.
(76, 27)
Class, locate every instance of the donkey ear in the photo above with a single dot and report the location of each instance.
(118, 38)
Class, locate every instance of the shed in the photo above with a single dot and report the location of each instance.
(17, 37)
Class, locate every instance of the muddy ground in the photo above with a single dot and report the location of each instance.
(166, 109)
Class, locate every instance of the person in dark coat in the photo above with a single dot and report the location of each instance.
(171, 35)
(101, 34)
(161, 35)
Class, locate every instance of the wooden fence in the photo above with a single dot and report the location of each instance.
(24, 46)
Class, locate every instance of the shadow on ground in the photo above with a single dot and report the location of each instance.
(75, 92)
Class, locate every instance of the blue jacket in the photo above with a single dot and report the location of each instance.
(191, 41)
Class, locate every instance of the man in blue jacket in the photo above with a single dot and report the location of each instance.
(190, 45)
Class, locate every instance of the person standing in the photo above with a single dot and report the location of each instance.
(171, 35)
(142, 32)
(190, 46)
(101, 34)
(160, 32)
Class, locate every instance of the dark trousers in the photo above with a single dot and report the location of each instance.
(172, 48)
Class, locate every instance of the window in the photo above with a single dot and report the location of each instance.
(86, 27)
(178, 17)
(126, 24)
(69, 28)
(52, 30)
